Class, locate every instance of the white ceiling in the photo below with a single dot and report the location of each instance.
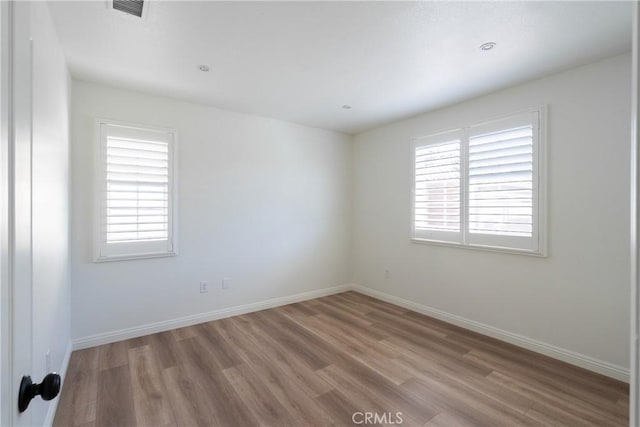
(301, 61)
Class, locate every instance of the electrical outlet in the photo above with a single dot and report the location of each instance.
(204, 286)
(226, 283)
(47, 361)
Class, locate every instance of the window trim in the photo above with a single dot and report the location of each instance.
(541, 182)
(98, 189)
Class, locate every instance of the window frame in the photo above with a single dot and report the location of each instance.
(493, 243)
(132, 250)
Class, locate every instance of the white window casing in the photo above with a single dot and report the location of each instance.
(501, 177)
(135, 203)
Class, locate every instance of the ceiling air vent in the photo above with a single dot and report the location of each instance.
(132, 7)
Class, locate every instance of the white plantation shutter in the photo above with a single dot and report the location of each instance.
(437, 210)
(481, 186)
(502, 183)
(134, 192)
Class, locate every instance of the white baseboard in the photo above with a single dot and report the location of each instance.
(152, 328)
(53, 407)
(559, 353)
(550, 350)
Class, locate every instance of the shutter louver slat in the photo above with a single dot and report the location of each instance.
(137, 190)
(437, 187)
(501, 182)
(136, 153)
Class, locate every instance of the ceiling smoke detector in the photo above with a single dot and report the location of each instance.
(487, 46)
(204, 68)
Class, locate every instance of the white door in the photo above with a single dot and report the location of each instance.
(15, 207)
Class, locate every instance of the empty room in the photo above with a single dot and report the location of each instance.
(318, 213)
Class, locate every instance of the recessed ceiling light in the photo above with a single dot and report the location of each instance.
(487, 46)
(346, 107)
(204, 68)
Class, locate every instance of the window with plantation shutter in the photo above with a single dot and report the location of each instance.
(437, 187)
(500, 177)
(134, 192)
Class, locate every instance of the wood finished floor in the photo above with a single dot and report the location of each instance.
(317, 362)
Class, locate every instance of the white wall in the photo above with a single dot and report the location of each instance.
(578, 297)
(50, 185)
(262, 201)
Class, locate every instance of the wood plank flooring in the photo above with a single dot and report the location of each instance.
(318, 362)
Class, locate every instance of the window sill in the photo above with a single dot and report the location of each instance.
(536, 254)
(133, 257)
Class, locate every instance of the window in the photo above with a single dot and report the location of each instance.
(482, 185)
(134, 197)
(437, 187)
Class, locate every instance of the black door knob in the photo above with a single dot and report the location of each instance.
(47, 389)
